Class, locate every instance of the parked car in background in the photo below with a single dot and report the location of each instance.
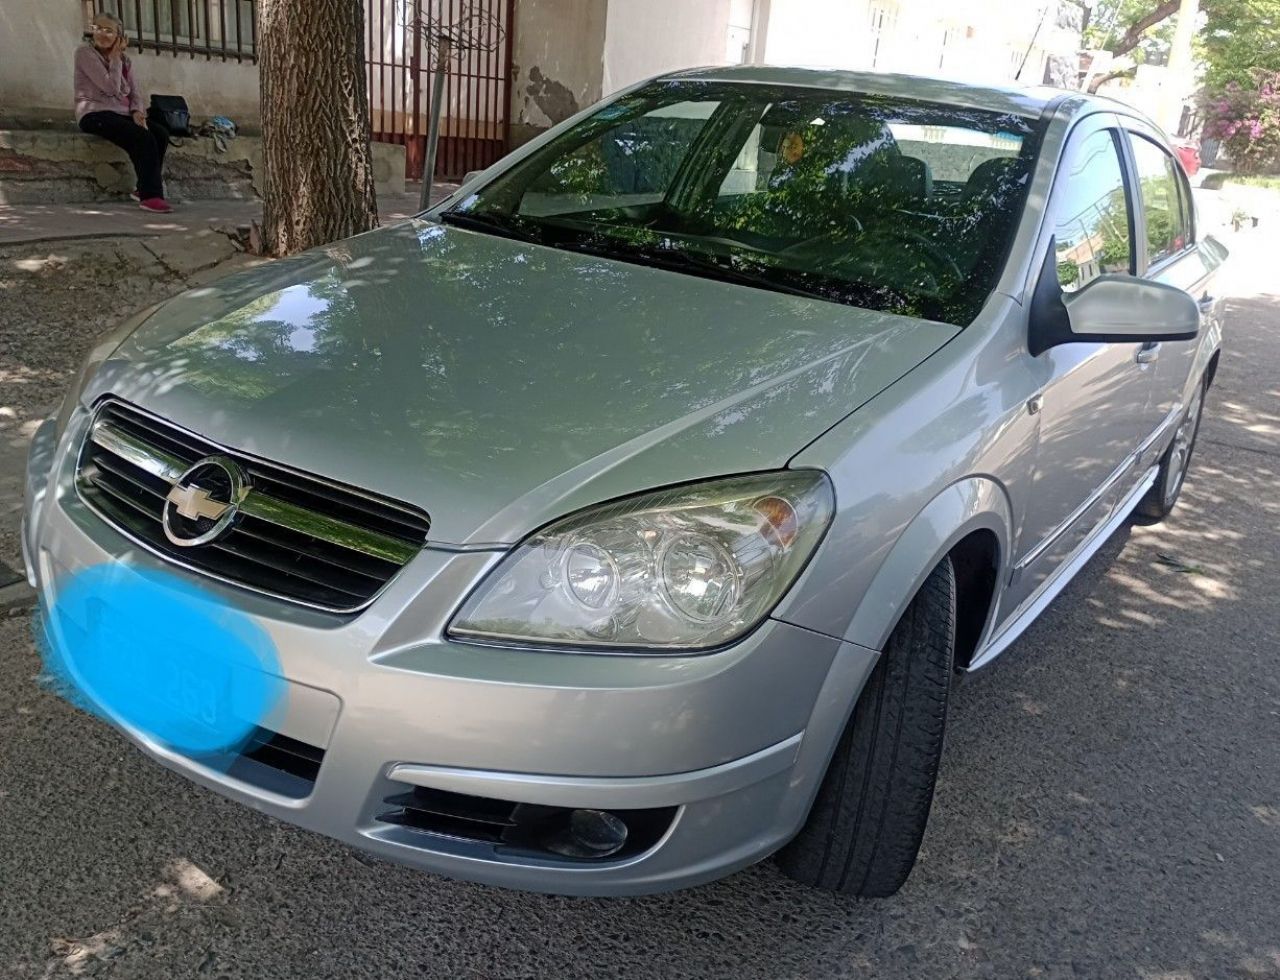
(623, 520)
(1189, 154)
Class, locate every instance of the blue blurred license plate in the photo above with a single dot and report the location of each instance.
(187, 689)
(198, 697)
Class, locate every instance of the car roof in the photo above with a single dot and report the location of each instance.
(1030, 101)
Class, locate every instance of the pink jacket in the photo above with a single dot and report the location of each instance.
(103, 86)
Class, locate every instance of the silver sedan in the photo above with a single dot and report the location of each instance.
(623, 520)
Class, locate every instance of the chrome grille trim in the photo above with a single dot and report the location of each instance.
(340, 533)
(324, 557)
(131, 450)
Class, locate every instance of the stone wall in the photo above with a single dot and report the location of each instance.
(60, 166)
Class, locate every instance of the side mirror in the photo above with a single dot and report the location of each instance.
(1112, 309)
(1116, 309)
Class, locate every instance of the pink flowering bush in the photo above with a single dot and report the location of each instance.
(1246, 118)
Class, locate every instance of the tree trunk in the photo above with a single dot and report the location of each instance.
(318, 164)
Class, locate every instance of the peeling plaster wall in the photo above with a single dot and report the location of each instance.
(39, 42)
(648, 37)
(559, 47)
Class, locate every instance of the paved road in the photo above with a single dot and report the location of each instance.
(1109, 806)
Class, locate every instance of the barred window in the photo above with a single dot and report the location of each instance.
(213, 28)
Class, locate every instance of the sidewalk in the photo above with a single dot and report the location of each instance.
(31, 223)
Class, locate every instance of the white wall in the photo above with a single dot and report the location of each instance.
(973, 40)
(818, 33)
(558, 61)
(211, 88)
(648, 37)
(39, 39)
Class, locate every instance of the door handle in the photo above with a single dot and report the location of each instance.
(1148, 354)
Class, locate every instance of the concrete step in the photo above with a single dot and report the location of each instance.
(56, 166)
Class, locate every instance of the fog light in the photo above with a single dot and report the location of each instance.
(590, 834)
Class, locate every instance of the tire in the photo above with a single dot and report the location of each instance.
(1163, 495)
(867, 822)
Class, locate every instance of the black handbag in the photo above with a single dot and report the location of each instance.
(171, 112)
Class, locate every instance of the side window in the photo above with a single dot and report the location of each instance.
(1163, 205)
(1092, 214)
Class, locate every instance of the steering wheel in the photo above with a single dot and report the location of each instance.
(934, 250)
(830, 235)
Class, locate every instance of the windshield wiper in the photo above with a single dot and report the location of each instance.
(489, 223)
(581, 240)
(690, 263)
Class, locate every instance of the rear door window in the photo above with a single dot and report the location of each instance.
(1164, 205)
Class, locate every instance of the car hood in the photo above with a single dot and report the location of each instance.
(498, 384)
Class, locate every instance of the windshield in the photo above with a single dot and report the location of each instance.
(882, 203)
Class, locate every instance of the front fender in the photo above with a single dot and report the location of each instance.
(973, 504)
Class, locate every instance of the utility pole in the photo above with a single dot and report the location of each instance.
(1178, 77)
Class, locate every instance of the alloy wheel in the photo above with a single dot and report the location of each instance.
(1183, 441)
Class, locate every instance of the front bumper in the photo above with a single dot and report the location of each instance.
(736, 741)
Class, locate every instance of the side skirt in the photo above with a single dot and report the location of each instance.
(1053, 585)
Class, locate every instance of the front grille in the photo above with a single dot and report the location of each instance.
(294, 536)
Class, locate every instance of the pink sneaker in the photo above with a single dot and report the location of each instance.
(157, 205)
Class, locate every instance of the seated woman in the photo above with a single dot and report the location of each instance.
(109, 104)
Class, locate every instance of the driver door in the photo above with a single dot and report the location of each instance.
(1095, 404)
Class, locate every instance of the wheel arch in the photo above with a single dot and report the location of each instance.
(1211, 370)
(972, 519)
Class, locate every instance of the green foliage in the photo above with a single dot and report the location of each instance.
(1239, 37)
(1111, 19)
(1215, 182)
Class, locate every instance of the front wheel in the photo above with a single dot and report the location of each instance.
(867, 822)
(1163, 495)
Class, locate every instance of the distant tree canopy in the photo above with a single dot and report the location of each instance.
(1239, 37)
(1125, 26)
(1240, 47)
(1236, 37)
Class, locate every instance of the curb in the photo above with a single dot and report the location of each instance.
(75, 237)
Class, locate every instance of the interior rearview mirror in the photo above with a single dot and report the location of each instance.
(1111, 309)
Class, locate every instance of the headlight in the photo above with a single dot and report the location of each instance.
(103, 348)
(687, 568)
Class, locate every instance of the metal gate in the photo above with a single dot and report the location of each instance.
(477, 89)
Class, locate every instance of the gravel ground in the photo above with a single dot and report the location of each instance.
(1109, 804)
(55, 299)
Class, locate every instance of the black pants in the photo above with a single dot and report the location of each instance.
(146, 147)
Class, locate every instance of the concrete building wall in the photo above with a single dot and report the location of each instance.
(39, 42)
(973, 40)
(559, 62)
(647, 37)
